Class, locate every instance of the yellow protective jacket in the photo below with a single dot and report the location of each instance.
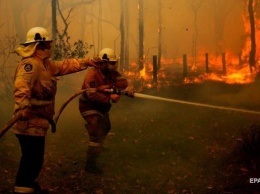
(35, 87)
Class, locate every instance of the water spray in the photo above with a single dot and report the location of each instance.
(145, 96)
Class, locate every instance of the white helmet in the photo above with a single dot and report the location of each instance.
(37, 34)
(107, 54)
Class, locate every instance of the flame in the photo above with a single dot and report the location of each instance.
(227, 67)
(171, 72)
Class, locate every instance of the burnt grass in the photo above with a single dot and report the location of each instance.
(154, 146)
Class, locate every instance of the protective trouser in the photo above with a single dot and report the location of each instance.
(98, 126)
(32, 148)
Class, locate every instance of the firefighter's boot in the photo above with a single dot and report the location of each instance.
(93, 152)
(92, 168)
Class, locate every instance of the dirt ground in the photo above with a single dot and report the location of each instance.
(153, 147)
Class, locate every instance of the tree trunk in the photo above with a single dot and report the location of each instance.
(126, 65)
(54, 19)
(122, 33)
(220, 10)
(141, 35)
(100, 26)
(195, 7)
(124, 29)
(159, 33)
(252, 27)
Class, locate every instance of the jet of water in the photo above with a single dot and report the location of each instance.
(145, 96)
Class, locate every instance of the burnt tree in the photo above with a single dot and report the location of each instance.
(126, 64)
(54, 19)
(122, 33)
(220, 10)
(195, 5)
(252, 34)
(124, 29)
(141, 34)
(159, 33)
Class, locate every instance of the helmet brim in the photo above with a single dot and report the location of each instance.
(29, 42)
(108, 60)
(112, 60)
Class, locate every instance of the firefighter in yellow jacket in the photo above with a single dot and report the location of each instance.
(34, 94)
(94, 106)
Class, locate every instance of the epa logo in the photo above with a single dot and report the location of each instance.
(254, 180)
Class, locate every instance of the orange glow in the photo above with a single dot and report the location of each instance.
(171, 72)
(227, 67)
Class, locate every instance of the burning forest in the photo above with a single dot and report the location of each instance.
(192, 125)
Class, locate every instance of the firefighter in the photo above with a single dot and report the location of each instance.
(94, 106)
(34, 95)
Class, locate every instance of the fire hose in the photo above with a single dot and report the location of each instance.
(18, 117)
(113, 90)
(9, 124)
(57, 116)
(52, 122)
(146, 96)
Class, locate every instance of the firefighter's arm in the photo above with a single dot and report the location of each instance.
(69, 66)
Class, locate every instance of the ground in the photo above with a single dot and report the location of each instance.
(153, 147)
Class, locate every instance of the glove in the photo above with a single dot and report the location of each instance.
(130, 91)
(114, 98)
